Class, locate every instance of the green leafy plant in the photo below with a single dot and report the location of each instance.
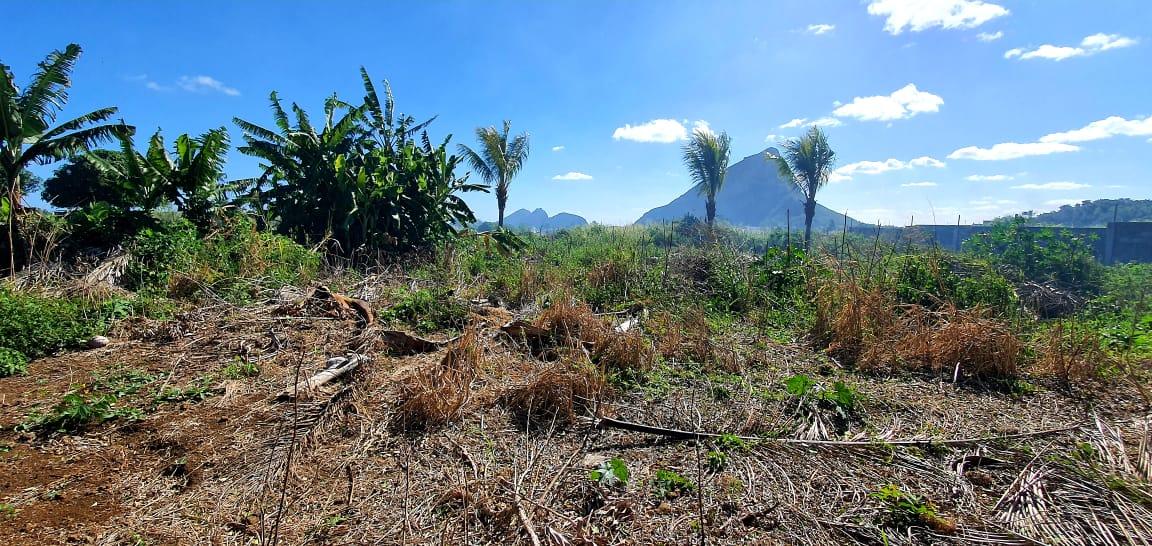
(613, 472)
(240, 369)
(12, 362)
(77, 410)
(717, 460)
(197, 391)
(902, 510)
(668, 484)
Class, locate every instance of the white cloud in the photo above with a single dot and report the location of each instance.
(821, 28)
(919, 15)
(846, 172)
(1090, 45)
(1105, 128)
(1011, 150)
(990, 36)
(818, 122)
(558, 148)
(902, 103)
(1055, 186)
(702, 126)
(925, 161)
(657, 130)
(919, 185)
(772, 138)
(988, 178)
(200, 84)
(572, 176)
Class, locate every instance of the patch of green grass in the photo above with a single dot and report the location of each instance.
(428, 310)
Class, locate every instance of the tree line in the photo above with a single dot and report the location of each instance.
(363, 176)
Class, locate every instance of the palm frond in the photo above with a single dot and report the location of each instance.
(75, 124)
(477, 164)
(48, 92)
(251, 130)
(10, 122)
(74, 143)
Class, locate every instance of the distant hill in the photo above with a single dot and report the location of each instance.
(1097, 213)
(753, 195)
(538, 220)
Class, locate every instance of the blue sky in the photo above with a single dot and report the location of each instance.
(1047, 100)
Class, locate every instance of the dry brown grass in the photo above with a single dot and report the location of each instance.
(684, 338)
(574, 326)
(434, 396)
(1072, 354)
(557, 393)
(867, 327)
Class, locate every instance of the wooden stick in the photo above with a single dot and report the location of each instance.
(608, 422)
(336, 368)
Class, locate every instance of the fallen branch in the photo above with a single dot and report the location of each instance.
(608, 422)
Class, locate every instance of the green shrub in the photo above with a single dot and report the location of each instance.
(1039, 254)
(12, 362)
(37, 326)
(157, 252)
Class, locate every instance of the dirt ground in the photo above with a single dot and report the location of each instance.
(235, 464)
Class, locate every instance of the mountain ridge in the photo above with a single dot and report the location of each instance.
(753, 196)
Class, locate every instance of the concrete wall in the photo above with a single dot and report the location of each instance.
(1120, 242)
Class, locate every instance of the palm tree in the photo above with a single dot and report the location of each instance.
(306, 169)
(190, 179)
(27, 135)
(706, 156)
(498, 160)
(807, 163)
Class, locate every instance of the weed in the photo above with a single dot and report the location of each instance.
(428, 310)
(902, 510)
(668, 484)
(12, 362)
(8, 510)
(613, 472)
(75, 411)
(197, 391)
(731, 442)
(37, 326)
(717, 460)
(239, 369)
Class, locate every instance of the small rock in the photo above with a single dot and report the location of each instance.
(664, 508)
(97, 342)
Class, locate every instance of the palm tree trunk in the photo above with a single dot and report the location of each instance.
(809, 214)
(13, 204)
(710, 211)
(500, 221)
